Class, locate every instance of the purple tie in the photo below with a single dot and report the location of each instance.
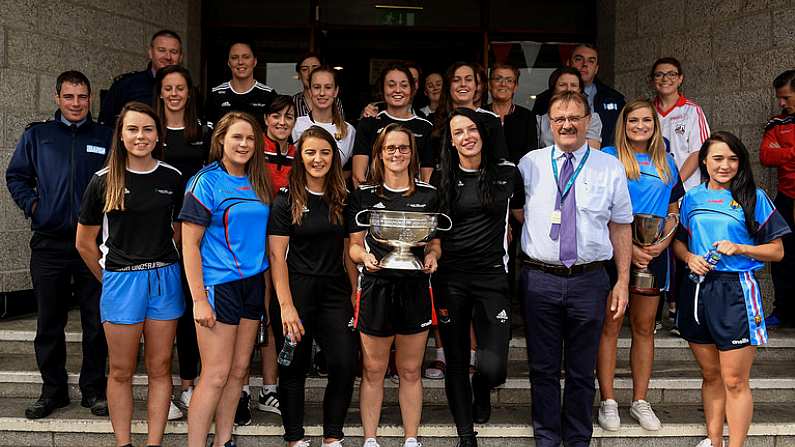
(568, 215)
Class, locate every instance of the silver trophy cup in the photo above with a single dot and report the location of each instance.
(648, 230)
(402, 230)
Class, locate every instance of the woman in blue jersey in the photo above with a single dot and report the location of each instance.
(139, 270)
(722, 317)
(224, 225)
(655, 189)
(392, 305)
(307, 241)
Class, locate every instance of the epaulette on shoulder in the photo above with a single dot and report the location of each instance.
(124, 76)
(36, 123)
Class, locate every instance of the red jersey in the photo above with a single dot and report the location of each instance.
(279, 165)
(778, 150)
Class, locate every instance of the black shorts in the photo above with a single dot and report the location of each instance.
(389, 306)
(659, 267)
(242, 298)
(729, 311)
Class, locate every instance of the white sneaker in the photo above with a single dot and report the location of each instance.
(608, 415)
(184, 398)
(304, 443)
(708, 443)
(174, 412)
(412, 442)
(370, 442)
(641, 411)
(337, 443)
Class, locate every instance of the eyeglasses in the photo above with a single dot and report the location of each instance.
(503, 80)
(403, 149)
(671, 75)
(574, 120)
(305, 68)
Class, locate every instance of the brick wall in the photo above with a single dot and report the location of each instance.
(38, 40)
(730, 51)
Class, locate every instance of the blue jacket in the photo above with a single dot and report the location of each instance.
(51, 166)
(133, 86)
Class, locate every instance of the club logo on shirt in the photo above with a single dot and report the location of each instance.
(501, 182)
(460, 183)
(502, 316)
(680, 128)
(126, 191)
(379, 205)
(226, 104)
(305, 210)
(417, 205)
(164, 191)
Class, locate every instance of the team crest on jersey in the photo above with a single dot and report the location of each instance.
(379, 205)
(305, 210)
(758, 319)
(680, 128)
(460, 183)
(226, 104)
(734, 204)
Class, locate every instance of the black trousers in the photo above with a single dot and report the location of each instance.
(564, 317)
(481, 299)
(782, 271)
(324, 305)
(187, 346)
(58, 272)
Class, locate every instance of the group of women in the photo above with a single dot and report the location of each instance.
(257, 216)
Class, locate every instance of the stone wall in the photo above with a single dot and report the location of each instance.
(730, 51)
(38, 40)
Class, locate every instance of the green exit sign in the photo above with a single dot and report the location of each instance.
(397, 18)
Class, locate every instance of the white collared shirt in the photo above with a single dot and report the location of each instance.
(601, 193)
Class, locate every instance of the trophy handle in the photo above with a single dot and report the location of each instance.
(673, 230)
(448, 220)
(356, 218)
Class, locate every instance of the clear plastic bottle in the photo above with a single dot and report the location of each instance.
(286, 354)
(712, 257)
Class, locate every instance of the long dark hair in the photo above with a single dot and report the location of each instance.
(446, 106)
(743, 186)
(193, 128)
(450, 162)
(334, 194)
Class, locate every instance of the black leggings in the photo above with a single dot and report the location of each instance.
(324, 305)
(460, 300)
(187, 347)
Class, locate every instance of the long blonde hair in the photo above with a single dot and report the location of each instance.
(336, 116)
(256, 171)
(655, 147)
(117, 160)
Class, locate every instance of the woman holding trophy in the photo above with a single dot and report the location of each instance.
(477, 192)
(655, 189)
(394, 301)
(729, 229)
(306, 241)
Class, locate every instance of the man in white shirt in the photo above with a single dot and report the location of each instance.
(582, 213)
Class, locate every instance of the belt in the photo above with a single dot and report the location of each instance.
(561, 270)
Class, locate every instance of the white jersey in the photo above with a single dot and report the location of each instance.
(685, 127)
(344, 145)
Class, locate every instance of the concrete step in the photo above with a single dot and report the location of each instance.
(672, 382)
(683, 425)
(16, 337)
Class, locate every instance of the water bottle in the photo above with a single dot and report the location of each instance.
(286, 354)
(262, 333)
(712, 257)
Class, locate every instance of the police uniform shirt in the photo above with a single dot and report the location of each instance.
(424, 199)
(142, 233)
(133, 86)
(602, 197)
(650, 194)
(478, 242)
(711, 215)
(368, 129)
(316, 245)
(224, 99)
(344, 145)
(236, 221)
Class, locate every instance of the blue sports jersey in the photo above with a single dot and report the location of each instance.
(711, 215)
(233, 246)
(649, 193)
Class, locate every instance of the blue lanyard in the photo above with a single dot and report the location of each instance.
(570, 183)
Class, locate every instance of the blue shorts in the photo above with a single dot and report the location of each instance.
(130, 297)
(729, 311)
(242, 298)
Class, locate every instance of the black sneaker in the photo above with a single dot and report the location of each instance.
(98, 405)
(320, 364)
(268, 401)
(44, 406)
(467, 441)
(243, 413)
(481, 406)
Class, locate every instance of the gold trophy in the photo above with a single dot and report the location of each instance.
(647, 230)
(402, 230)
